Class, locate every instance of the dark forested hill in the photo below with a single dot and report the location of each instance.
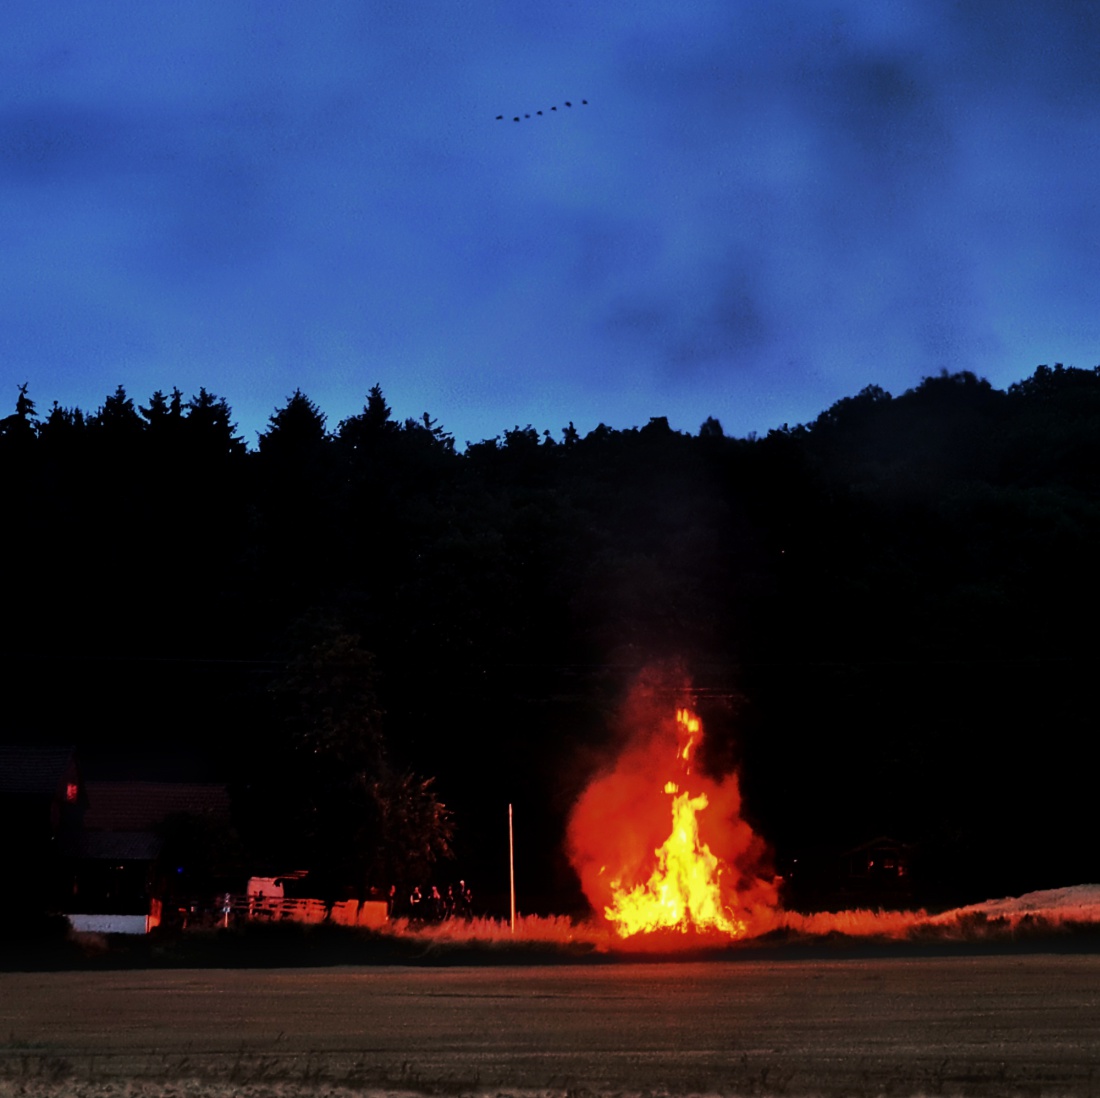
(888, 613)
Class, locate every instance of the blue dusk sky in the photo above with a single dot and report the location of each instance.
(763, 207)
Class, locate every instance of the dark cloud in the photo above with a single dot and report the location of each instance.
(1047, 49)
(848, 136)
(44, 142)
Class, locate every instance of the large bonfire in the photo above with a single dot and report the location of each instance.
(667, 861)
(660, 847)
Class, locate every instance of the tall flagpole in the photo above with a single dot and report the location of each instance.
(512, 868)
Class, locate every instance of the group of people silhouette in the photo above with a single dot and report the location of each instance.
(431, 904)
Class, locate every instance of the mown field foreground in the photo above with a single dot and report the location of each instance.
(972, 1025)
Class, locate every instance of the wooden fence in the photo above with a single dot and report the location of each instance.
(238, 908)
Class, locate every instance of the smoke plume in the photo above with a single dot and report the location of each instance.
(624, 816)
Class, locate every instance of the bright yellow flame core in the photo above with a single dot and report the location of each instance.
(683, 891)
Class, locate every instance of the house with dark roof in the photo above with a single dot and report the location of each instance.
(42, 802)
(141, 806)
(101, 848)
(127, 841)
(877, 872)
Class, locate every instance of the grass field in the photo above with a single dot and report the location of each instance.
(998, 1000)
(997, 1025)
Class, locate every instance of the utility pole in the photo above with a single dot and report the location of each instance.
(512, 868)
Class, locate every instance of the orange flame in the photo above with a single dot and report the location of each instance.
(690, 728)
(699, 876)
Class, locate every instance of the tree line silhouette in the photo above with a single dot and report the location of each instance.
(889, 615)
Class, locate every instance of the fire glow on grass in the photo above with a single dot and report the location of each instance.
(659, 846)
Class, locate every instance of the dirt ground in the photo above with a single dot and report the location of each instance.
(988, 1025)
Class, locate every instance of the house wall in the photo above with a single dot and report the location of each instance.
(110, 924)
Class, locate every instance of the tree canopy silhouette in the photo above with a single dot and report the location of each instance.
(879, 601)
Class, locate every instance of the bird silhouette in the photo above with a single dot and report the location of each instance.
(539, 114)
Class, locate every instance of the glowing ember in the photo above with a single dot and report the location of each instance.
(656, 854)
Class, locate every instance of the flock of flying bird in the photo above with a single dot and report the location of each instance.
(500, 117)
